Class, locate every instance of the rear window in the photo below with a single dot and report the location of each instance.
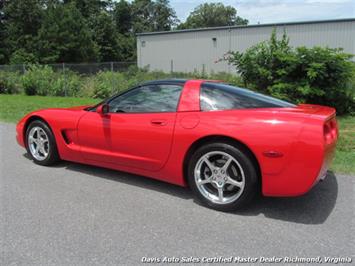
(218, 96)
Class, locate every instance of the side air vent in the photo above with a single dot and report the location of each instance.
(66, 136)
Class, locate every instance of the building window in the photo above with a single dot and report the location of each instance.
(143, 43)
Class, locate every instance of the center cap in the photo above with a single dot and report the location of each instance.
(220, 179)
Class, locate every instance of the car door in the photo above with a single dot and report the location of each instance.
(138, 130)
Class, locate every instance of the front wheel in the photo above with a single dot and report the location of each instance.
(222, 176)
(40, 143)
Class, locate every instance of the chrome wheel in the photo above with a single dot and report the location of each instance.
(219, 177)
(38, 143)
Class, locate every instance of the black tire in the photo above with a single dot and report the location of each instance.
(249, 170)
(53, 156)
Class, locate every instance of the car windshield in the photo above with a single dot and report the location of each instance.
(219, 96)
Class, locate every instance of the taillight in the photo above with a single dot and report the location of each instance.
(327, 133)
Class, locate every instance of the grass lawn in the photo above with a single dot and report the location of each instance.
(13, 107)
(344, 161)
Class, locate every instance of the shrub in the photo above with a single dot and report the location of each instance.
(310, 75)
(106, 83)
(38, 80)
(43, 80)
(68, 84)
(10, 82)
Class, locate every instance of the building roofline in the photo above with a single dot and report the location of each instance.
(246, 26)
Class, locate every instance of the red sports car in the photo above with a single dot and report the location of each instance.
(224, 142)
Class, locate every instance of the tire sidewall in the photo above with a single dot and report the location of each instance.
(53, 153)
(249, 169)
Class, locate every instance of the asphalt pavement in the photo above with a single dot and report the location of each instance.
(73, 214)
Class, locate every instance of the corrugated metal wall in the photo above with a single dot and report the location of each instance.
(197, 51)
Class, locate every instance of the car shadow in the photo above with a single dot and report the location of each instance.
(311, 208)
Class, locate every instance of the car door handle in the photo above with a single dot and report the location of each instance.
(158, 122)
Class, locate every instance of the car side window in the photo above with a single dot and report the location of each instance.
(218, 96)
(147, 99)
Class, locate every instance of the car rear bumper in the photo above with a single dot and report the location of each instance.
(312, 156)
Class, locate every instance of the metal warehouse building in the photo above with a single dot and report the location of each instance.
(199, 49)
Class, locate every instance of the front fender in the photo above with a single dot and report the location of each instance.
(62, 122)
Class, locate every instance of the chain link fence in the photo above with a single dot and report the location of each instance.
(79, 68)
(97, 80)
(10, 74)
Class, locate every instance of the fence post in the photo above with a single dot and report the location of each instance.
(171, 66)
(23, 68)
(112, 79)
(64, 80)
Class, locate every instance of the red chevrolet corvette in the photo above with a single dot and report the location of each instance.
(224, 142)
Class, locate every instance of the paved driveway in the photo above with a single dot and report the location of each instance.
(73, 214)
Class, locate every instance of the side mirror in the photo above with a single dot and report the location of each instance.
(103, 109)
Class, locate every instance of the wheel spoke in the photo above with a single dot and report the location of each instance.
(220, 194)
(234, 182)
(205, 181)
(36, 149)
(227, 163)
(209, 164)
(37, 133)
(42, 150)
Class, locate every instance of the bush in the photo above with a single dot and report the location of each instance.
(10, 82)
(310, 75)
(106, 83)
(43, 80)
(68, 84)
(38, 80)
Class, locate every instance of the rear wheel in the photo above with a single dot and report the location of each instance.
(40, 143)
(222, 176)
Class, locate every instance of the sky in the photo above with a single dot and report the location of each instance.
(273, 11)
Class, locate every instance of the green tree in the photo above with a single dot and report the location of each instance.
(212, 15)
(49, 31)
(150, 16)
(164, 17)
(21, 23)
(3, 53)
(105, 35)
(65, 36)
(89, 8)
(122, 14)
(126, 47)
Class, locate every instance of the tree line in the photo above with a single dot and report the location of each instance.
(56, 31)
